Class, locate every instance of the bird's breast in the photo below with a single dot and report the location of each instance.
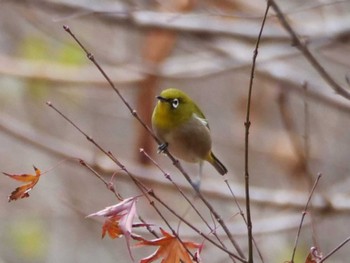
(189, 141)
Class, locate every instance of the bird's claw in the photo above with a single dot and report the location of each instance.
(162, 147)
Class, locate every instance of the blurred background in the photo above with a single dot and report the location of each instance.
(299, 124)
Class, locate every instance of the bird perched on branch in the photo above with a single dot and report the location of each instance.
(182, 127)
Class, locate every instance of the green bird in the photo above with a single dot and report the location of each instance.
(182, 127)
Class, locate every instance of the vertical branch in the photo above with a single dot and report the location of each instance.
(247, 127)
(245, 220)
(303, 216)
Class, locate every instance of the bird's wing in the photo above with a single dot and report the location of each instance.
(201, 119)
(198, 114)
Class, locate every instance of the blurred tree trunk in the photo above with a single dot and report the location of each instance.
(159, 43)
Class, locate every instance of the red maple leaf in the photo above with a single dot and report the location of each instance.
(23, 191)
(170, 249)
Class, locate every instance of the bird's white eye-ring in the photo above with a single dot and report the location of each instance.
(175, 103)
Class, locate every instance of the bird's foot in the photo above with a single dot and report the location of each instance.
(162, 147)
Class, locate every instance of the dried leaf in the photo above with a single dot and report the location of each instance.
(170, 249)
(314, 256)
(119, 220)
(112, 227)
(23, 191)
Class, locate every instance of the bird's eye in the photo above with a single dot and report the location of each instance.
(175, 103)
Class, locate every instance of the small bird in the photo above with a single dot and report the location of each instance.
(182, 127)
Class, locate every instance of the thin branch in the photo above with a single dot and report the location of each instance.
(244, 219)
(247, 126)
(145, 191)
(92, 59)
(151, 193)
(109, 185)
(307, 53)
(176, 162)
(168, 177)
(335, 250)
(303, 216)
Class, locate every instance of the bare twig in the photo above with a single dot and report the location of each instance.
(303, 216)
(168, 177)
(244, 219)
(335, 250)
(195, 229)
(109, 185)
(145, 191)
(176, 162)
(307, 53)
(247, 126)
(92, 59)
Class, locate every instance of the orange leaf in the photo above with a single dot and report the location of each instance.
(170, 249)
(112, 227)
(23, 191)
(119, 220)
(314, 256)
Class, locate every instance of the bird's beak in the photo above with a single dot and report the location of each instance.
(162, 99)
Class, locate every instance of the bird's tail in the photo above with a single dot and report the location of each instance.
(217, 164)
